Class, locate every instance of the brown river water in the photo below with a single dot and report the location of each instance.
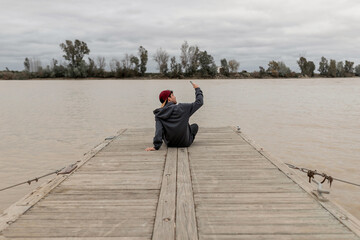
(312, 123)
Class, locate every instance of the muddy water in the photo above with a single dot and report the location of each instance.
(312, 123)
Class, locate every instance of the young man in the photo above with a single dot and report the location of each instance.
(172, 120)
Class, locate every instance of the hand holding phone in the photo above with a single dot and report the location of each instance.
(194, 84)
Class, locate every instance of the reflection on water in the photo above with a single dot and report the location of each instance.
(312, 123)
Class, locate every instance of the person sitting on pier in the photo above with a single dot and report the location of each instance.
(172, 120)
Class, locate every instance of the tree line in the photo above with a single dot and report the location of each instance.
(192, 63)
(76, 66)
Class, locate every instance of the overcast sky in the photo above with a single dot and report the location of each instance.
(252, 32)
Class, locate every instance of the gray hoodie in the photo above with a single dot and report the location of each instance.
(172, 122)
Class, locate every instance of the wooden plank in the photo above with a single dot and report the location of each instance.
(118, 194)
(233, 162)
(226, 187)
(164, 227)
(266, 196)
(123, 172)
(249, 200)
(224, 152)
(84, 207)
(91, 223)
(113, 179)
(238, 160)
(273, 229)
(229, 166)
(125, 163)
(97, 202)
(133, 167)
(118, 187)
(238, 173)
(113, 231)
(291, 236)
(235, 180)
(218, 157)
(186, 226)
(78, 238)
(236, 157)
(135, 154)
(256, 207)
(83, 214)
(257, 220)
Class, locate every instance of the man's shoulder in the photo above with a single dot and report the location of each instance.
(182, 105)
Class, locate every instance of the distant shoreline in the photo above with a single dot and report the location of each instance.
(162, 78)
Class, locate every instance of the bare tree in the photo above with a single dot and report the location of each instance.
(184, 56)
(35, 65)
(113, 64)
(234, 65)
(126, 61)
(161, 58)
(101, 63)
(190, 56)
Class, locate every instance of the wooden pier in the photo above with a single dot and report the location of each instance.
(222, 187)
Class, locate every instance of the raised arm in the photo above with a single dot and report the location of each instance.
(199, 100)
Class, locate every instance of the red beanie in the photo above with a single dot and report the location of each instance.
(164, 95)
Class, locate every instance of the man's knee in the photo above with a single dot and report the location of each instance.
(194, 129)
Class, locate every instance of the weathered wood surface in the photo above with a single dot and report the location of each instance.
(222, 187)
(165, 216)
(241, 194)
(186, 226)
(24, 204)
(113, 196)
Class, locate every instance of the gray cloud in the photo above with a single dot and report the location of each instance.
(253, 32)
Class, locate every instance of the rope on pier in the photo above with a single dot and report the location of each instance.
(64, 170)
(311, 174)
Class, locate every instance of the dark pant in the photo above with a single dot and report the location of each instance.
(194, 129)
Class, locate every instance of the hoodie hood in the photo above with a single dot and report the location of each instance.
(164, 112)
